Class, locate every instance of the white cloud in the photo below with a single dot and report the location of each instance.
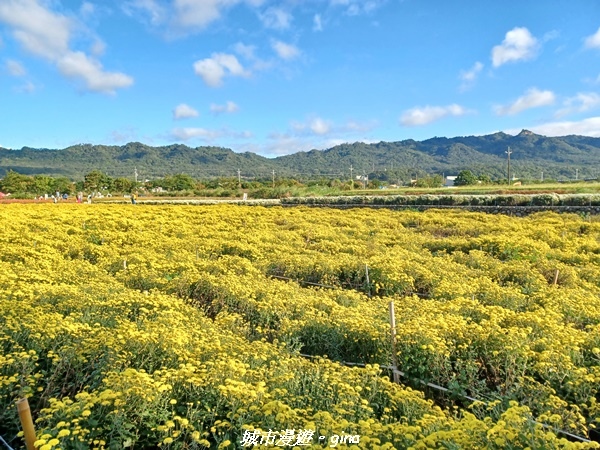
(518, 45)
(27, 88)
(276, 18)
(229, 107)
(285, 51)
(428, 114)
(38, 29)
(316, 132)
(317, 23)
(46, 34)
(593, 41)
(183, 111)
(212, 70)
(156, 13)
(550, 35)
(185, 134)
(285, 144)
(316, 129)
(356, 7)
(80, 66)
(533, 98)
(316, 126)
(98, 48)
(15, 68)
(585, 127)
(469, 77)
(198, 14)
(87, 9)
(183, 16)
(246, 51)
(320, 126)
(583, 101)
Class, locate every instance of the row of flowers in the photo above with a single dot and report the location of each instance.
(131, 326)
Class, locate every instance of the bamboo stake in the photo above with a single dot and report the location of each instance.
(368, 282)
(26, 423)
(393, 339)
(555, 278)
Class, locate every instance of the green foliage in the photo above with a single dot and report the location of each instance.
(430, 181)
(123, 185)
(465, 178)
(96, 180)
(392, 162)
(14, 182)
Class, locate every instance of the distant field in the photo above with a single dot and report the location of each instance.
(181, 327)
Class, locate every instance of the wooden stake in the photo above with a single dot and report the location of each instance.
(393, 339)
(368, 282)
(26, 423)
(555, 278)
(124, 264)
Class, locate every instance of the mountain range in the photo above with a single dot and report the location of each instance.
(566, 157)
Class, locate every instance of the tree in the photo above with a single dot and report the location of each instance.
(179, 182)
(465, 178)
(42, 184)
(62, 184)
(14, 182)
(122, 185)
(430, 181)
(485, 179)
(96, 180)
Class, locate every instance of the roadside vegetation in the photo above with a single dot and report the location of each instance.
(98, 184)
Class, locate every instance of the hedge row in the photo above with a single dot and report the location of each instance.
(453, 200)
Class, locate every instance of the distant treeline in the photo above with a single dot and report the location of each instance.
(18, 184)
(22, 185)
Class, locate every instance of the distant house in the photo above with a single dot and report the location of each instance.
(449, 181)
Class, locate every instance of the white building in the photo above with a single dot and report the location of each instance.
(449, 181)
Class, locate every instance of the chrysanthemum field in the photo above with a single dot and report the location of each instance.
(132, 326)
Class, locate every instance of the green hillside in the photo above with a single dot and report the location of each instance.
(557, 157)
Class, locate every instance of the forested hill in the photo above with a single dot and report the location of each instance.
(557, 157)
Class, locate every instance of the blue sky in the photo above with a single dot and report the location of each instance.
(277, 77)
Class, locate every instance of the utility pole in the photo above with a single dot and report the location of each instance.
(542, 179)
(351, 179)
(135, 173)
(508, 152)
(273, 177)
(239, 178)
(576, 174)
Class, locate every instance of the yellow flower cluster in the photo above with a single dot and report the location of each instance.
(179, 327)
